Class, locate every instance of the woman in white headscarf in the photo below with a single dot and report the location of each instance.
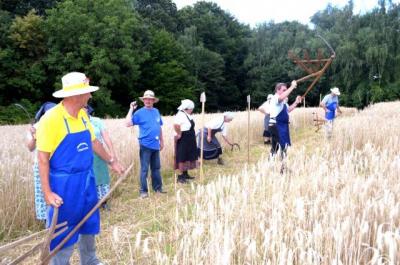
(211, 147)
(185, 140)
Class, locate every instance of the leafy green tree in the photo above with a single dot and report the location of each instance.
(206, 66)
(162, 14)
(22, 59)
(102, 38)
(220, 33)
(22, 7)
(164, 72)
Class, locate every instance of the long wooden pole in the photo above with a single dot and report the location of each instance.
(203, 101)
(248, 128)
(87, 216)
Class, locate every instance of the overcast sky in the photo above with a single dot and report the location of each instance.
(253, 12)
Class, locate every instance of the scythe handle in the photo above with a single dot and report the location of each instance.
(308, 77)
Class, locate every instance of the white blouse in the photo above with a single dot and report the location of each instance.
(182, 120)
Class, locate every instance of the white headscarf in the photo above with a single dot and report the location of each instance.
(229, 115)
(186, 104)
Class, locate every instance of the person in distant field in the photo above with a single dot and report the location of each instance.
(185, 141)
(151, 141)
(65, 144)
(40, 203)
(100, 166)
(279, 117)
(264, 109)
(211, 146)
(330, 104)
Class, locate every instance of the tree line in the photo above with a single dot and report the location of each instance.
(128, 46)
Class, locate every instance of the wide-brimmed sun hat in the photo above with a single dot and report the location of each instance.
(74, 84)
(149, 94)
(335, 91)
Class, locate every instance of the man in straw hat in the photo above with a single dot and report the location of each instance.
(330, 104)
(151, 141)
(65, 143)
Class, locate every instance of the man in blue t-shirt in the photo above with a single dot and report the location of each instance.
(151, 140)
(330, 104)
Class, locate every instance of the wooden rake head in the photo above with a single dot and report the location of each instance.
(314, 68)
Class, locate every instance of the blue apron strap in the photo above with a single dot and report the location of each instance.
(84, 122)
(66, 125)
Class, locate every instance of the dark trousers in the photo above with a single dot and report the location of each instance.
(275, 146)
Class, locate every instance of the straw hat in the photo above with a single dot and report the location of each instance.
(335, 91)
(74, 84)
(149, 94)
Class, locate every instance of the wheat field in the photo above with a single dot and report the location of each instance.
(336, 202)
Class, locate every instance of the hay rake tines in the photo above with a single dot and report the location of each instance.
(315, 68)
(318, 123)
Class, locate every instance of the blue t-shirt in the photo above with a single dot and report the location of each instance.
(328, 99)
(149, 122)
(331, 102)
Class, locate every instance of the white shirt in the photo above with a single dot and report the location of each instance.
(216, 124)
(265, 106)
(275, 108)
(182, 120)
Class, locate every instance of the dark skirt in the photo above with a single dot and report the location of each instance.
(186, 151)
(211, 150)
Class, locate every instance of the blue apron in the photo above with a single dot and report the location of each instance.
(282, 124)
(72, 178)
(330, 115)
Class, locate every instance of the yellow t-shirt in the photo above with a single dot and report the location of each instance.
(52, 128)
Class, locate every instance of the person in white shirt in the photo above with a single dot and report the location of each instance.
(279, 116)
(211, 146)
(330, 104)
(264, 109)
(185, 141)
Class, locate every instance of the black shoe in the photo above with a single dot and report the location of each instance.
(161, 191)
(220, 161)
(181, 179)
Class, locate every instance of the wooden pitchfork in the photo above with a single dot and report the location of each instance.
(314, 67)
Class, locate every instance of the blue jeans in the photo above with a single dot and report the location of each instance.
(87, 252)
(150, 157)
